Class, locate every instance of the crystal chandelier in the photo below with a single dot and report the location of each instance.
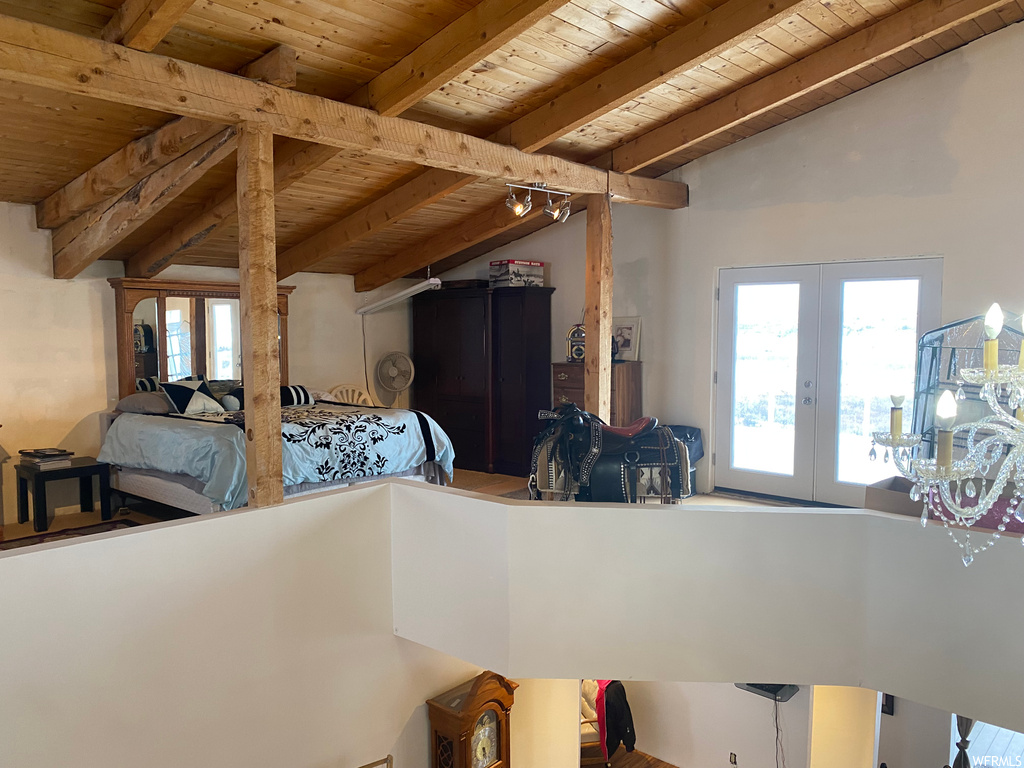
(964, 490)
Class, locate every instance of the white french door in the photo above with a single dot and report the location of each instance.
(807, 359)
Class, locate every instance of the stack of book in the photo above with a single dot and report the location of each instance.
(46, 458)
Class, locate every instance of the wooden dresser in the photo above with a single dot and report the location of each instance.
(627, 400)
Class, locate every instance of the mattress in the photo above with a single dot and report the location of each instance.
(186, 492)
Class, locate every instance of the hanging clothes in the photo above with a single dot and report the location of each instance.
(614, 720)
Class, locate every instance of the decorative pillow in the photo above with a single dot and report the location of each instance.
(319, 394)
(295, 395)
(196, 377)
(145, 402)
(231, 403)
(191, 397)
(221, 387)
(149, 384)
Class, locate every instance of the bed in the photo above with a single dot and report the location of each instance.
(197, 462)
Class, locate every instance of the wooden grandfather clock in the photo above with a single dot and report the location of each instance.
(469, 725)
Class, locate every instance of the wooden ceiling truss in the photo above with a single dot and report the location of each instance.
(441, 102)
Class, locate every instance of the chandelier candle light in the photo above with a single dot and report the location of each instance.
(963, 491)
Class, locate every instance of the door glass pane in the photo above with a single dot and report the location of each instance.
(764, 377)
(876, 360)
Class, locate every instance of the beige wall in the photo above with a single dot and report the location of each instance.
(844, 727)
(928, 162)
(58, 356)
(546, 724)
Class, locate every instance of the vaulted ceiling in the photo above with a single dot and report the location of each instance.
(631, 86)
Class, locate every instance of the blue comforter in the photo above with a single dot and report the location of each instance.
(320, 442)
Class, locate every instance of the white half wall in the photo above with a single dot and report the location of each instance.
(705, 594)
(58, 351)
(928, 162)
(249, 639)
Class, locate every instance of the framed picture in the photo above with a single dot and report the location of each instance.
(888, 704)
(626, 331)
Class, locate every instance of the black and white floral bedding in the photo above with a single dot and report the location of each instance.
(321, 442)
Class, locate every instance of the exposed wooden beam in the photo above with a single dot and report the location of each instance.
(278, 67)
(139, 204)
(293, 162)
(902, 30)
(257, 270)
(50, 58)
(123, 169)
(683, 50)
(895, 33)
(475, 229)
(142, 24)
(597, 309)
(471, 37)
(425, 189)
(141, 157)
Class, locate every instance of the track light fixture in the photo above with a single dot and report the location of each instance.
(519, 207)
(557, 209)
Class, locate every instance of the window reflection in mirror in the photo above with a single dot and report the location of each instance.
(178, 322)
(223, 339)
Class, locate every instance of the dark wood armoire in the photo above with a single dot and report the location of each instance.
(483, 358)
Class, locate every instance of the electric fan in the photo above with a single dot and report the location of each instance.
(395, 373)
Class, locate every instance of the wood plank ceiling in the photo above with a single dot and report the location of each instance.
(638, 86)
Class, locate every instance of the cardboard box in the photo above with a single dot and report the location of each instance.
(516, 273)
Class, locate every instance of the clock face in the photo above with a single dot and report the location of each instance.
(485, 740)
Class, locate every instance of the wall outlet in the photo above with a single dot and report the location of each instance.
(732, 758)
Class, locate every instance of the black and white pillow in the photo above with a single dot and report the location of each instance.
(148, 384)
(296, 396)
(191, 397)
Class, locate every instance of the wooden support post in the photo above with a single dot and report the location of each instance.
(257, 267)
(597, 368)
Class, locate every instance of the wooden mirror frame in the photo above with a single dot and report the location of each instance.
(129, 291)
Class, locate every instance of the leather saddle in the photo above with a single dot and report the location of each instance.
(578, 454)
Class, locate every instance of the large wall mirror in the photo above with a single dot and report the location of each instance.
(175, 329)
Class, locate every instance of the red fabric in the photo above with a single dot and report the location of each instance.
(632, 430)
(991, 520)
(602, 729)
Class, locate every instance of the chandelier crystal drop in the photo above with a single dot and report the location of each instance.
(962, 491)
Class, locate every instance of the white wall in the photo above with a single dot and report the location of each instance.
(259, 638)
(699, 724)
(58, 351)
(928, 162)
(709, 594)
(915, 735)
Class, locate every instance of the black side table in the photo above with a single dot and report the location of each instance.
(83, 467)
